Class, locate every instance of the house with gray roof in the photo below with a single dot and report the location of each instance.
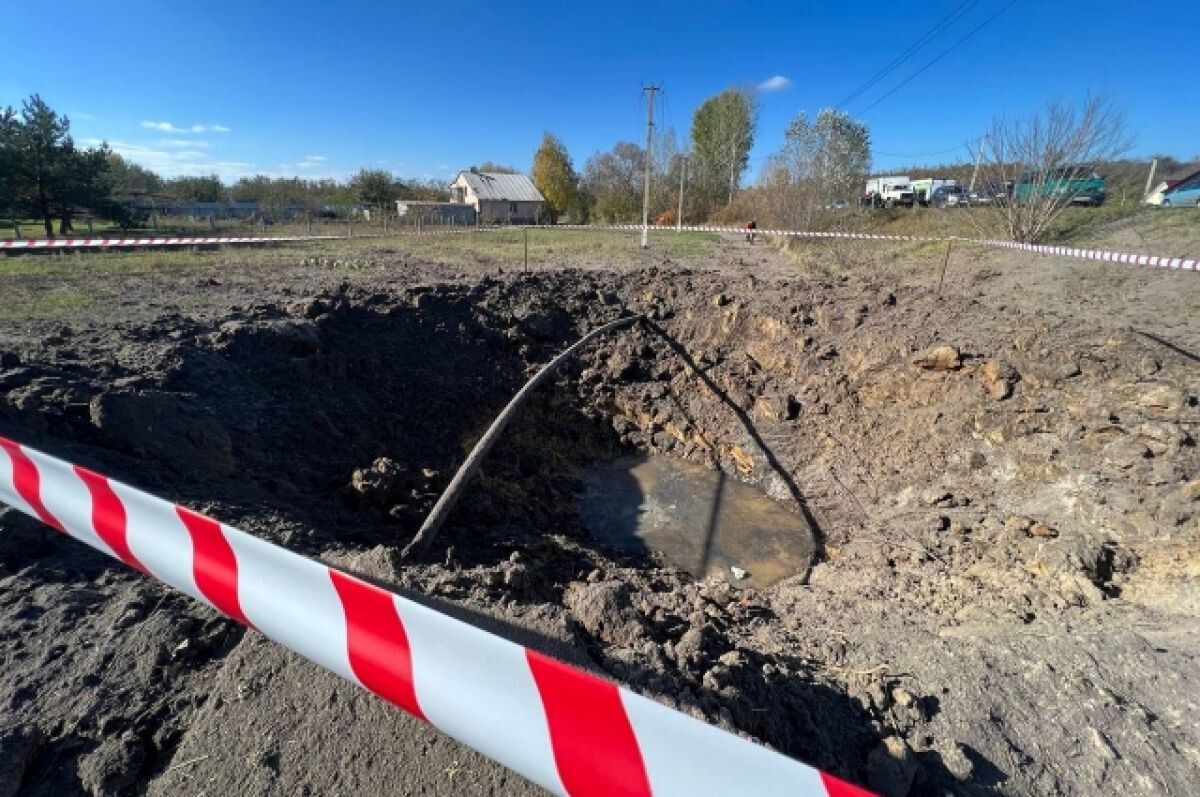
(499, 198)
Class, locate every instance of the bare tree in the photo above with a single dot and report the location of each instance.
(822, 166)
(1040, 165)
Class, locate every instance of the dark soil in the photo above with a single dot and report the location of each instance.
(1005, 496)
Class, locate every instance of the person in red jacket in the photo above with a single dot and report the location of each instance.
(750, 228)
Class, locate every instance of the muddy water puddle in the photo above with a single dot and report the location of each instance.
(700, 520)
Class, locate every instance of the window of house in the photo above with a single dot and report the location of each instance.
(512, 207)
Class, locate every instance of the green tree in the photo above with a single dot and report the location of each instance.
(554, 175)
(197, 189)
(89, 185)
(131, 180)
(10, 126)
(495, 168)
(722, 134)
(375, 187)
(44, 153)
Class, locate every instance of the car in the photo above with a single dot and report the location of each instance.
(948, 196)
(1079, 185)
(990, 192)
(1184, 195)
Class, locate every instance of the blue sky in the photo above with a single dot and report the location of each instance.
(322, 89)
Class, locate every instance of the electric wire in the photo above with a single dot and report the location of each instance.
(939, 57)
(932, 33)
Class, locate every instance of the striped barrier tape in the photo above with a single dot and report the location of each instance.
(1178, 263)
(90, 243)
(560, 727)
(1151, 261)
(114, 243)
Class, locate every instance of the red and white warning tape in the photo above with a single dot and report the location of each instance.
(560, 727)
(92, 243)
(1180, 263)
(1152, 261)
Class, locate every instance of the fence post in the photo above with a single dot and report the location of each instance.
(90, 226)
(154, 220)
(945, 261)
(350, 225)
(308, 223)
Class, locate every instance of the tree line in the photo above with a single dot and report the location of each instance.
(823, 160)
(43, 175)
(46, 176)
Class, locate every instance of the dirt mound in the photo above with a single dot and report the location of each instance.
(1005, 502)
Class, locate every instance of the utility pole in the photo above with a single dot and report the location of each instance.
(1150, 178)
(978, 158)
(649, 143)
(682, 177)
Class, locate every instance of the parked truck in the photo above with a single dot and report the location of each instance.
(887, 192)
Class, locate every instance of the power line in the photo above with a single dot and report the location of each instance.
(939, 57)
(922, 154)
(945, 22)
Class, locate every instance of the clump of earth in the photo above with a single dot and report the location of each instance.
(999, 498)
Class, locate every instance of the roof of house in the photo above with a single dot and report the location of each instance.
(502, 187)
(1172, 183)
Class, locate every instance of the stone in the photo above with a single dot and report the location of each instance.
(902, 697)
(738, 573)
(998, 378)
(1040, 529)
(891, 767)
(938, 358)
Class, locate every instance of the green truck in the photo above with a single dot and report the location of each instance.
(1080, 185)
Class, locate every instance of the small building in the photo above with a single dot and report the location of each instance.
(499, 198)
(1155, 197)
(452, 213)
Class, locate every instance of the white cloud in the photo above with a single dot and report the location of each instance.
(184, 162)
(167, 127)
(776, 83)
(82, 117)
(184, 142)
(315, 158)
